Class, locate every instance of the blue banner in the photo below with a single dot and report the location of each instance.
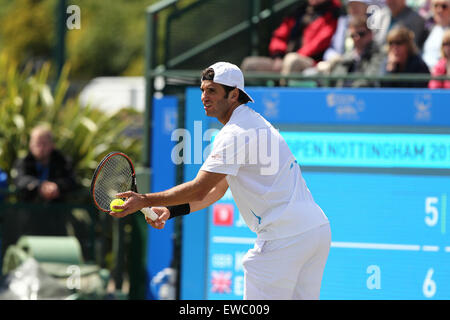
(160, 242)
(356, 106)
(393, 228)
(384, 107)
(370, 149)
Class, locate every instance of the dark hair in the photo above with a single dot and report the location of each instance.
(208, 74)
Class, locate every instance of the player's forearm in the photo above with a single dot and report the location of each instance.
(192, 191)
(214, 195)
(183, 193)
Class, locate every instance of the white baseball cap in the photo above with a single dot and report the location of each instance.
(230, 75)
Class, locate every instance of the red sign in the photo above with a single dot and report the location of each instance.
(223, 214)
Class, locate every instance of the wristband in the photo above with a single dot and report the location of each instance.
(179, 210)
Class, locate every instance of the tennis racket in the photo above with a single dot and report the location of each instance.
(114, 174)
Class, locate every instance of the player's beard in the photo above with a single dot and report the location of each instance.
(219, 109)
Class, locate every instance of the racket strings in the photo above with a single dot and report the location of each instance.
(114, 177)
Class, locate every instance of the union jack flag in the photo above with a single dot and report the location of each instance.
(221, 281)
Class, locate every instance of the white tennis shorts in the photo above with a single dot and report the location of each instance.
(288, 268)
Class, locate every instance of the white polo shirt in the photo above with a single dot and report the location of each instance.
(264, 177)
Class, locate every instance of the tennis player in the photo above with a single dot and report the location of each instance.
(293, 234)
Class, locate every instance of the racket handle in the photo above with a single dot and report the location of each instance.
(149, 213)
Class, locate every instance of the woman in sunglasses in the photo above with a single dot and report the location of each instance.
(403, 57)
(442, 67)
(432, 46)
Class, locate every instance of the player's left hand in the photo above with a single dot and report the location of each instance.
(134, 202)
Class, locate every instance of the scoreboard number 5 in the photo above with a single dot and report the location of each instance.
(431, 211)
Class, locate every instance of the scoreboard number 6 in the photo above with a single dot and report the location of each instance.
(431, 211)
(429, 285)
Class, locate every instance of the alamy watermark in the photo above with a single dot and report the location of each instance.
(73, 280)
(375, 18)
(74, 19)
(251, 147)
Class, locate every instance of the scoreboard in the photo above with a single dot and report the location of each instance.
(389, 235)
(376, 161)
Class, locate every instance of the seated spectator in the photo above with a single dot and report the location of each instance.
(403, 57)
(341, 41)
(45, 175)
(425, 12)
(366, 57)
(442, 67)
(432, 46)
(301, 39)
(397, 13)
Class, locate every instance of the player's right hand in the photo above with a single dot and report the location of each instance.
(163, 214)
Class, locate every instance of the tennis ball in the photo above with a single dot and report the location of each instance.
(116, 202)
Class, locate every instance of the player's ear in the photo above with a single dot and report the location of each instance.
(235, 94)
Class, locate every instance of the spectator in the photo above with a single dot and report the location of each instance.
(403, 57)
(44, 176)
(301, 39)
(341, 41)
(432, 45)
(366, 57)
(397, 13)
(442, 67)
(425, 11)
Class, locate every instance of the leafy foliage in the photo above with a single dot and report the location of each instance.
(110, 42)
(26, 29)
(85, 134)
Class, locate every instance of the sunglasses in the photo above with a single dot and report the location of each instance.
(396, 42)
(359, 34)
(446, 44)
(444, 6)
